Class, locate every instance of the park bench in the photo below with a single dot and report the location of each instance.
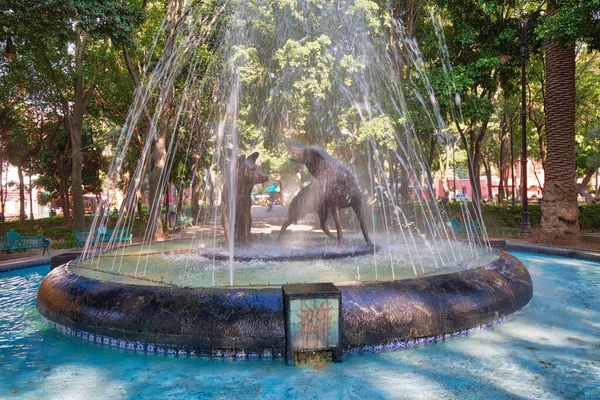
(184, 220)
(459, 227)
(103, 235)
(12, 241)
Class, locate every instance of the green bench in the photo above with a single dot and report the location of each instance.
(459, 227)
(184, 220)
(13, 241)
(103, 235)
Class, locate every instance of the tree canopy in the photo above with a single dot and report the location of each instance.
(409, 82)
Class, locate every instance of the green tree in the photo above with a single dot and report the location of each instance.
(69, 41)
(476, 33)
(567, 22)
(587, 123)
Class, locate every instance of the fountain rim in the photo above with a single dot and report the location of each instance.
(192, 319)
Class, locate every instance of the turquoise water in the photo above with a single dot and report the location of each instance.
(551, 350)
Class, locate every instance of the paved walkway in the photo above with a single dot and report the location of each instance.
(29, 258)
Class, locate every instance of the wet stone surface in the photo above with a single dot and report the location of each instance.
(268, 250)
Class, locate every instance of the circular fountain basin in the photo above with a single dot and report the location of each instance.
(269, 263)
(213, 320)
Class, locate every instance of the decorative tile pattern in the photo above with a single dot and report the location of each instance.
(278, 354)
(264, 354)
(314, 323)
(240, 354)
(229, 354)
(207, 353)
(367, 348)
(267, 354)
(218, 353)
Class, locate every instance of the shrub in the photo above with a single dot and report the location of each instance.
(589, 216)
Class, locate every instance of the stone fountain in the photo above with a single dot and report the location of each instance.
(229, 295)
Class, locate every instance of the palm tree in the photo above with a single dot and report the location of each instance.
(560, 210)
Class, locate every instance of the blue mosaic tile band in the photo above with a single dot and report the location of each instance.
(407, 343)
(267, 354)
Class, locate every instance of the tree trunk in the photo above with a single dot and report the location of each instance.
(77, 181)
(444, 169)
(404, 186)
(211, 192)
(474, 166)
(30, 197)
(582, 187)
(140, 211)
(534, 116)
(159, 153)
(196, 193)
(159, 158)
(65, 200)
(63, 173)
(502, 161)
(75, 126)
(22, 216)
(542, 143)
(560, 210)
(432, 146)
(488, 175)
(22, 160)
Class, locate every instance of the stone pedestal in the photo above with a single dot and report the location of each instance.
(313, 322)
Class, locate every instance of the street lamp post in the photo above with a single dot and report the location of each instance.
(512, 164)
(525, 223)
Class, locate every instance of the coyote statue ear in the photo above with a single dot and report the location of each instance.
(241, 159)
(252, 157)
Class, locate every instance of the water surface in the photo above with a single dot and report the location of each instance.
(551, 350)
